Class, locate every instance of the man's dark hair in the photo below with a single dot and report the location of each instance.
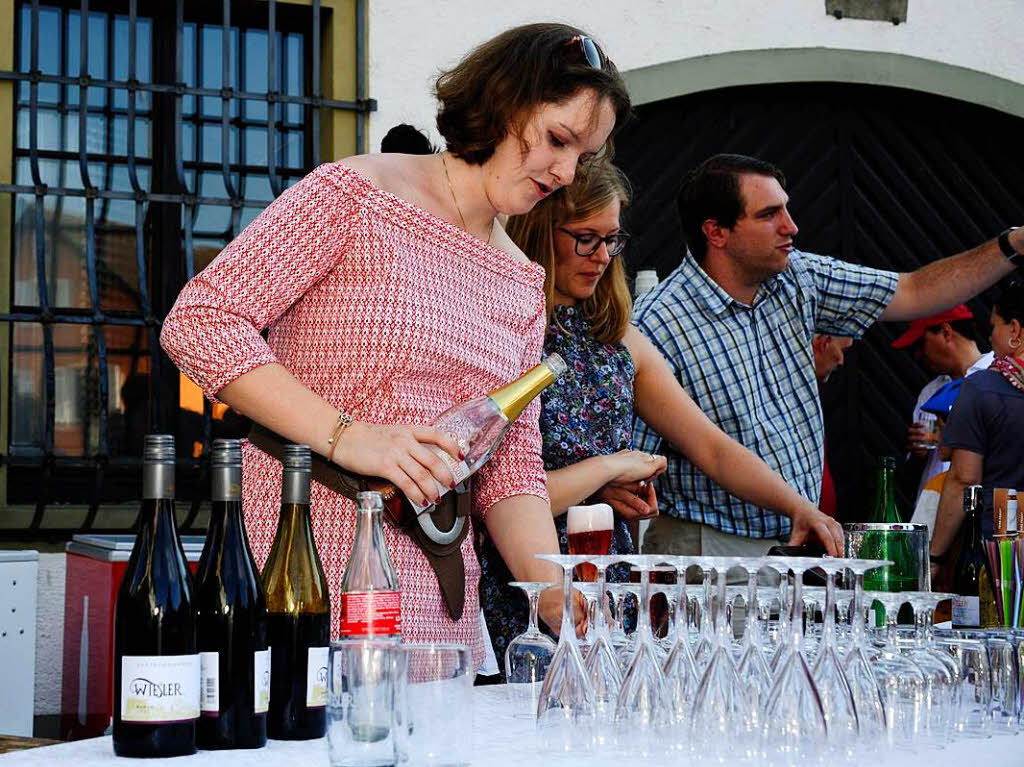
(1010, 304)
(406, 139)
(966, 328)
(712, 190)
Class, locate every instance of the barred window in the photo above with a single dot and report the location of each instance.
(145, 139)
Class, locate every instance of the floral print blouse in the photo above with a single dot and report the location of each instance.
(587, 412)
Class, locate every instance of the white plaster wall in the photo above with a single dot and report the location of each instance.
(50, 633)
(410, 41)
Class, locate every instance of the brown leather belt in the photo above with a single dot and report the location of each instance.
(445, 559)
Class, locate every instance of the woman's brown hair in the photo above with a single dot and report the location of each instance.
(594, 189)
(496, 87)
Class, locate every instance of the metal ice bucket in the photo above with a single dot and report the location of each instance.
(904, 543)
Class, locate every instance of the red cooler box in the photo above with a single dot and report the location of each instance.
(95, 566)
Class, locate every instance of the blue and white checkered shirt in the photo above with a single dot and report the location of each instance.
(751, 370)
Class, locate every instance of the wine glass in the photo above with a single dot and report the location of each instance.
(722, 710)
(753, 668)
(642, 713)
(941, 673)
(864, 686)
(794, 720)
(600, 662)
(527, 658)
(901, 680)
(836, 696)
(680, 672)
(566, 713)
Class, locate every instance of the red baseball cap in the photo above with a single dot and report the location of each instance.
(916, 328)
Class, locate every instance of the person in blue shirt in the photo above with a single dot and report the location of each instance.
(735, 322)
(985, 426)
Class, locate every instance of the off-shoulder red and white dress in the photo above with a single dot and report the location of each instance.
(387, 312)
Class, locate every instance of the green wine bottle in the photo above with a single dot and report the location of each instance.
(884, 544)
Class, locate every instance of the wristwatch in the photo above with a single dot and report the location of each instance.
(1017, 259)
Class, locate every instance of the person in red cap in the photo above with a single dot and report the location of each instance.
(946, 344)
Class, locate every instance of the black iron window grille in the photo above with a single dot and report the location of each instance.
(145, 139)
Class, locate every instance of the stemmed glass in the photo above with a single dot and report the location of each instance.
(705, 647)
(941, 672)
(901, 681)
(860, 676)
(601, 663)
(753, 668)
(621, 642)
(641, 715)
(794, 720)
(527, 658)
(836, 697)
(566, 712)
(722, 710)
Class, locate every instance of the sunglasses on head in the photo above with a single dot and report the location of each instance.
(591, 53)
(588, 243)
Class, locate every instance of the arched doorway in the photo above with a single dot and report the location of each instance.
(877, 175)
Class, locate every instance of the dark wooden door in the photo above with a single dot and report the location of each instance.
(879, 176)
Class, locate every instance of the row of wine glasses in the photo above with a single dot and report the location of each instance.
(788, 689)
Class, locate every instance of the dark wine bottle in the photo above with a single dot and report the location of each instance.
(156, 664)
(298, 612)
(974, 604)
(231, 619)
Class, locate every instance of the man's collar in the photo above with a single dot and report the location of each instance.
(714, 295)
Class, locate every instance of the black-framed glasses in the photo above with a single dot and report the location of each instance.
(589, 50)
(588, 243)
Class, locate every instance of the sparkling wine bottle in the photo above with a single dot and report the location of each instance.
(298, 612)
(371, 604)
(231, 618)
(479, 424)
(156, 663)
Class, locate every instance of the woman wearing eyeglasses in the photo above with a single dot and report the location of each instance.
(390, 294)
(614, 374)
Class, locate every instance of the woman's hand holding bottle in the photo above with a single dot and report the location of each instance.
(399, 454)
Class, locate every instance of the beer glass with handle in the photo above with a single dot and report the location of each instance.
(590, 529)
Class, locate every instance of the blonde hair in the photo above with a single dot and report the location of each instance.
(596, 187)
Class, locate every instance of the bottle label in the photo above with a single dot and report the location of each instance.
(1011, 516)
(459, 469)
(371, 613)
(159, 689)
(209, 690)
(261, 680)
(966, 611)
(316, 678)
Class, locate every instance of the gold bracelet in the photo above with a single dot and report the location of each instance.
(344, 421)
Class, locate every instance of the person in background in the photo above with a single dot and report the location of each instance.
(614, 374)
(985, 426)
(735, 322)
(829, 355)
(390, 294)
(406, 139)
(946, 344)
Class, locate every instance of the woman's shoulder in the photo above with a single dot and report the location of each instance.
(401, 175)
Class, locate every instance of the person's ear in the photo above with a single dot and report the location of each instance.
(716, 234)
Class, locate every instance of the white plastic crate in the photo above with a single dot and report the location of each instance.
(19, 572)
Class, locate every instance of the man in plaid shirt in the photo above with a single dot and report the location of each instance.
(735, 323)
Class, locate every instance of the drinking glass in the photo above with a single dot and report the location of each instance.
(566, 713)
(705, 646)
(365, 685)
(621, 642)
(600, 662)
(753, 668)
(794, 721)
(527, 658)
(836, 696)
(439, 681)
(902, 682)
(590, 530)
(722, 713)
(974, 719)
(680, 672)
(930, 427)
(941, 672)
(642, 712)
(1002, 658)
(860, 676)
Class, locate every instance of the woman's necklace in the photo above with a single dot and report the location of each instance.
(457, 208)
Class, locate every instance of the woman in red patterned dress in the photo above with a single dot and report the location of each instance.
(391, 293)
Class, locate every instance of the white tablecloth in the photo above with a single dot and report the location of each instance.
(499, 740)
